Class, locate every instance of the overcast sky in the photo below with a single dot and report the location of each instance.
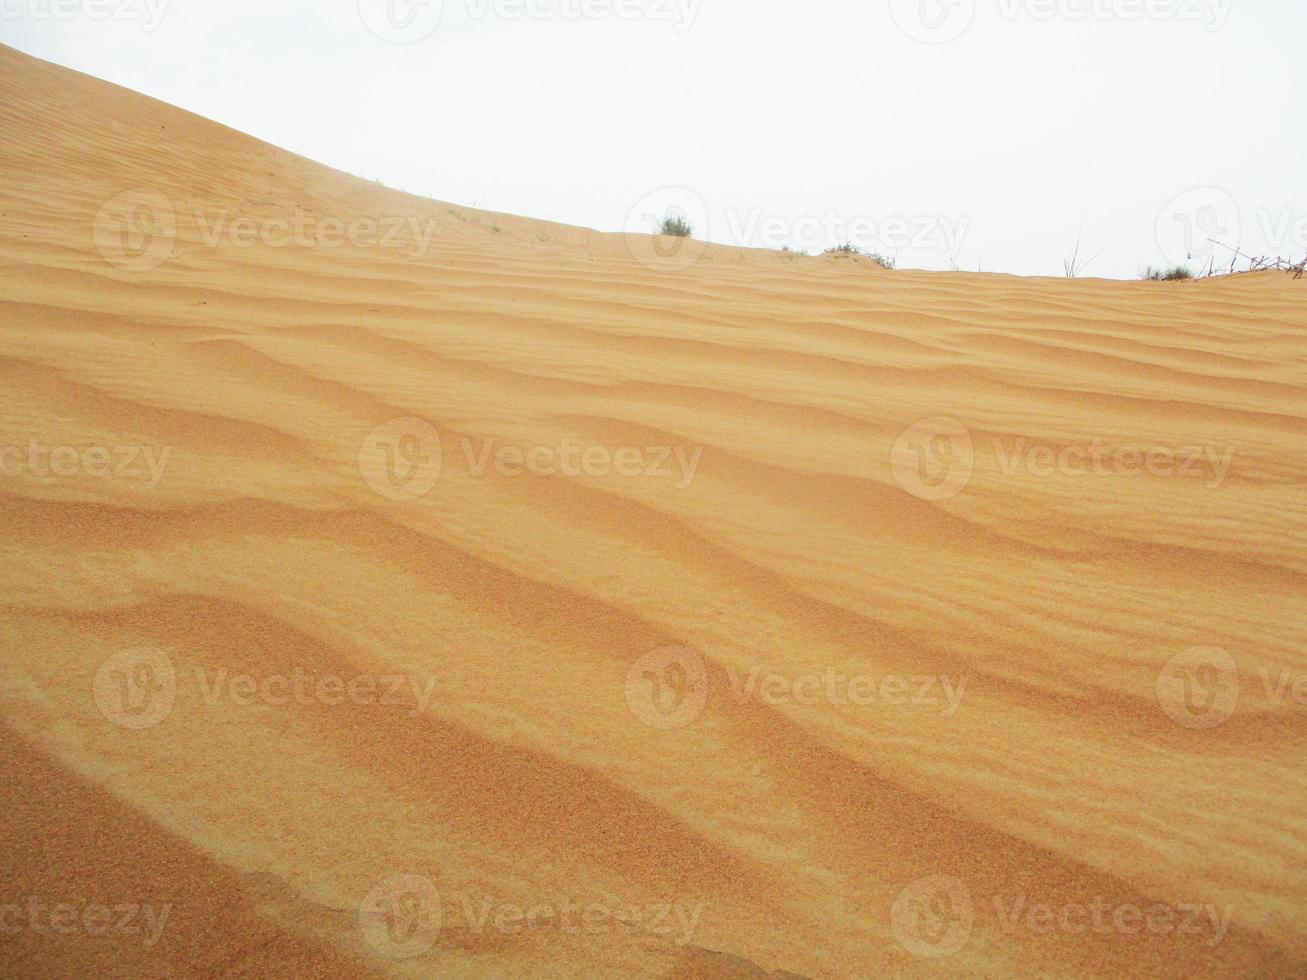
(976, 133)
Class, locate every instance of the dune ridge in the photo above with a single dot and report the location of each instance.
(775, 535)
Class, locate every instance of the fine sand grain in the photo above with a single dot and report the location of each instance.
(689, 628)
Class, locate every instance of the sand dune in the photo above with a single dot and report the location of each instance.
(640, 610)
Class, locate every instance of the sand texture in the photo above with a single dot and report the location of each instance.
(525, 601)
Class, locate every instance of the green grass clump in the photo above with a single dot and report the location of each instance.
(1179, 273)
(675, 226)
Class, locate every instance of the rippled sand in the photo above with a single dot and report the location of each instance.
(487, 597)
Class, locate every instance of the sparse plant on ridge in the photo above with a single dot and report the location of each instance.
(1178, 273)
(848, 248)
(676, 226)
(1256, 263)
(1072, 265)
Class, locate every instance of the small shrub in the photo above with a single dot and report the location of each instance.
(1177, 274)
(848, 248)
(675, 226)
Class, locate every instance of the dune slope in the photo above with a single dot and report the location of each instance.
(393, 588)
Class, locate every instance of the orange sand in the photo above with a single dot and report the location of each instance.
(557, 756)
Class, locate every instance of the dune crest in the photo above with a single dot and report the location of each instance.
(398, 588)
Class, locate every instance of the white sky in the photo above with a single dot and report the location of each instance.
(1138, 118)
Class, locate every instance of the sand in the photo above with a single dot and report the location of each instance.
(528, 601)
